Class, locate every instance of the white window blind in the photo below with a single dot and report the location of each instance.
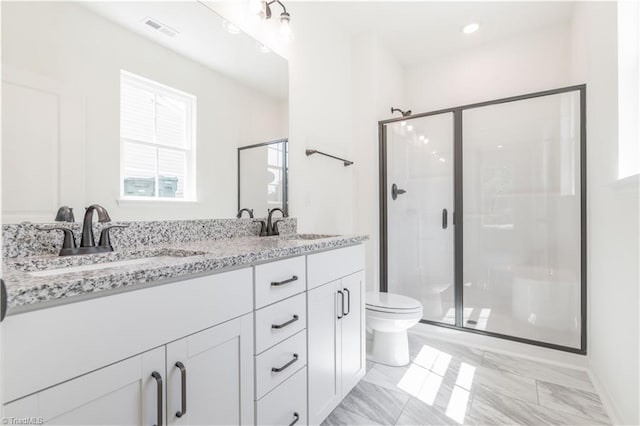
(157, 132)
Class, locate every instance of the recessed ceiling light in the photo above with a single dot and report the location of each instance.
(471, 28)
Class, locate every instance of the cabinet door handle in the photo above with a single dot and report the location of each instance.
(445, 215)
(346, 290)
(287, 365)
(296, 417)
(158, 378)
(279, 283)
(183, 375)
(284, 324)
(342, 309)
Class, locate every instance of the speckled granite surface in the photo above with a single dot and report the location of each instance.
(24, 240)
(169, 260)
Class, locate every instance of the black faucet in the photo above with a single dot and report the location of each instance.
(250, 211)
(88, 239)
(272, 227)
(87, 243)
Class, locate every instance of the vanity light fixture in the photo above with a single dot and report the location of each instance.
(470, 28)
(285, 17)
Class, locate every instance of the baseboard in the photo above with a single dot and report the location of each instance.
(607, 402)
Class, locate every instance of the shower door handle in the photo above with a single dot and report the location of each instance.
(445, 218)
(395, 191)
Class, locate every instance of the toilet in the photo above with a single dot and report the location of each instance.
(389, 316)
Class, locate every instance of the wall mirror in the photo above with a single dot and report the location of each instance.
(138, 106)
(262, 177)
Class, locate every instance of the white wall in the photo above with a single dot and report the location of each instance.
(378, 87)
(85, 52)
(536, 60)
(613, 279)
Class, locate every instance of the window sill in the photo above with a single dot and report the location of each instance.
(152, 202)
(629, 183)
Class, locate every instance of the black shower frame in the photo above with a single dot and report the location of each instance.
(458, 209)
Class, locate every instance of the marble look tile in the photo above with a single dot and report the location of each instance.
(343, 417)
(506, 384)
(574, 401)
(417, 412)
(565, 376)
(375, 402)
(408, 379)
(490, 408)
(440, 356)
(370, 365)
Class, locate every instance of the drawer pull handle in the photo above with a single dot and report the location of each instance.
(279, 283)
(183, 374)
(158, 379)
(342, 308)
(287, 365)
(284, 324)
(346, 290)
(296, 417)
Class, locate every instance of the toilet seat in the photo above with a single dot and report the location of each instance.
(392, 303)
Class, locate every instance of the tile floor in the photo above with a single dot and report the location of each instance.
(450, 384)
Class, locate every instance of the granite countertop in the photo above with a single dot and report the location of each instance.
(165, 261)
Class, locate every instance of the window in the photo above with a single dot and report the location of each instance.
(157, 140)
(628, 88)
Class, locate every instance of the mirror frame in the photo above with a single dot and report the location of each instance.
(285, 175)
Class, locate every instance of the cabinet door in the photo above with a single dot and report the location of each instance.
(218, 374)
(323, 357)
(353, 332)
(124, 393)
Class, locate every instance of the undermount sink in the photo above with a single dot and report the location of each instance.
(54, 269)
(309, 236)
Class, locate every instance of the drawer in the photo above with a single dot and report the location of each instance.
(280, 321)
(334, 264)
(288, 357)
(278, 280)
(286, 403)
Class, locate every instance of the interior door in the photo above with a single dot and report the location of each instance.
(352, 335)
(419, 212)
(216, 365)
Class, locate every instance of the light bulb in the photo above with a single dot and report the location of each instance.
(410, 127)
(403, 123)
(285, 26)
(425, 141)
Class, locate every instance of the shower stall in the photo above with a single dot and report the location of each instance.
(482, 216)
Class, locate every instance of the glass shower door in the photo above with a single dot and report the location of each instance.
(522, 219)
(420, 197)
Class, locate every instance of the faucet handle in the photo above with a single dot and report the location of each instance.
(263, 227)
(69, 239)
(105, 240)
(274, 227)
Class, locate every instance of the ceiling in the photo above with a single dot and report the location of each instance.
(202, 38)
(417, 31)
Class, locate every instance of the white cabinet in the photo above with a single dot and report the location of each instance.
(210, 376)
(125, 393)
(336, 330)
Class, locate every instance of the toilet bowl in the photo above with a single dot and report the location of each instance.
(388, 318)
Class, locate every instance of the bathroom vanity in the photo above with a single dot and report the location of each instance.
(246, 331)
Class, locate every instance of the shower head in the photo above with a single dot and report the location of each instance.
(404, 113)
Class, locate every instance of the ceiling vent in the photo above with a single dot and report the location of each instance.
(159, 26)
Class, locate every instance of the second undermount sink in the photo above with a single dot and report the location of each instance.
(159, 256)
